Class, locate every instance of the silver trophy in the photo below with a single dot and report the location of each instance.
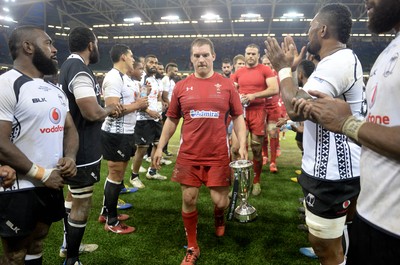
(243, 181)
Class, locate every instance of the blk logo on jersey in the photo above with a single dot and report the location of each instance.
(38, 100)
(195, 114)
(55, 115)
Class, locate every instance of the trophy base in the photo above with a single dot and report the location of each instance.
(245, 213)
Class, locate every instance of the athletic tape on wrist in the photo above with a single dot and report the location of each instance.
(39, 172)
(351, 127)
(285, 73)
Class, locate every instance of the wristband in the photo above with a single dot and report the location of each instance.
(351, 127)
(39, 172)
(285, 73)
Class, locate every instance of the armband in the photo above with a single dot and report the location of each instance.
(39, 172)
(285, 73)
(351, 127)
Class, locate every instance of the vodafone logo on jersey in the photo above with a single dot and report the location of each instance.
(55, 115)
(55, 118)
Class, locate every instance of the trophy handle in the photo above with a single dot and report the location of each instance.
(232, 204)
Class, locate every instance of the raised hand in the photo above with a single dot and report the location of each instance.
(280, 57)
(297, 57)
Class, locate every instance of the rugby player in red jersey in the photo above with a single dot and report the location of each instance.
(203, 100)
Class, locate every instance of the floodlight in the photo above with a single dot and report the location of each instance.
(293, 15)
(170, 18)
(210, 16)
(250, 15)
(133, 19)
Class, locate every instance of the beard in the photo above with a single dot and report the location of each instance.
(385, 16)
(313, 49)
(253, 63)
(45, 65)
(159, 76)
(94, 56)
(151, 71)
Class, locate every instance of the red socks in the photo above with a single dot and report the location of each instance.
(274, 142)
(257, 170)
(190, 224)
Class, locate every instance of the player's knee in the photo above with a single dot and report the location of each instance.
(189, 199)
(142, 149)
(223, 203)
(81, 203)
(15, 257)
(116, 174)
(36, 246)
(256, 146)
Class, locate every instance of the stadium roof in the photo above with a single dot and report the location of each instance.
(115, 19)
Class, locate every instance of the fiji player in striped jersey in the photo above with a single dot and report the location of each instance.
(42, 147)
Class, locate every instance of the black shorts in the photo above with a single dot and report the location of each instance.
(117, 146)
(86, 176)
(299, 137)
(371, 246)
(164, 115)
(328, 199)
(147, 132)
(20, 211)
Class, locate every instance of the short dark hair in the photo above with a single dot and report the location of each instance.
(307, 67)
(79, 39)
(201, 42)
(136, 63)
(149, 56)
(170, 65)
(338, 18)
(227, 60)
(117, 50)
(253, 45)
(16, 38)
